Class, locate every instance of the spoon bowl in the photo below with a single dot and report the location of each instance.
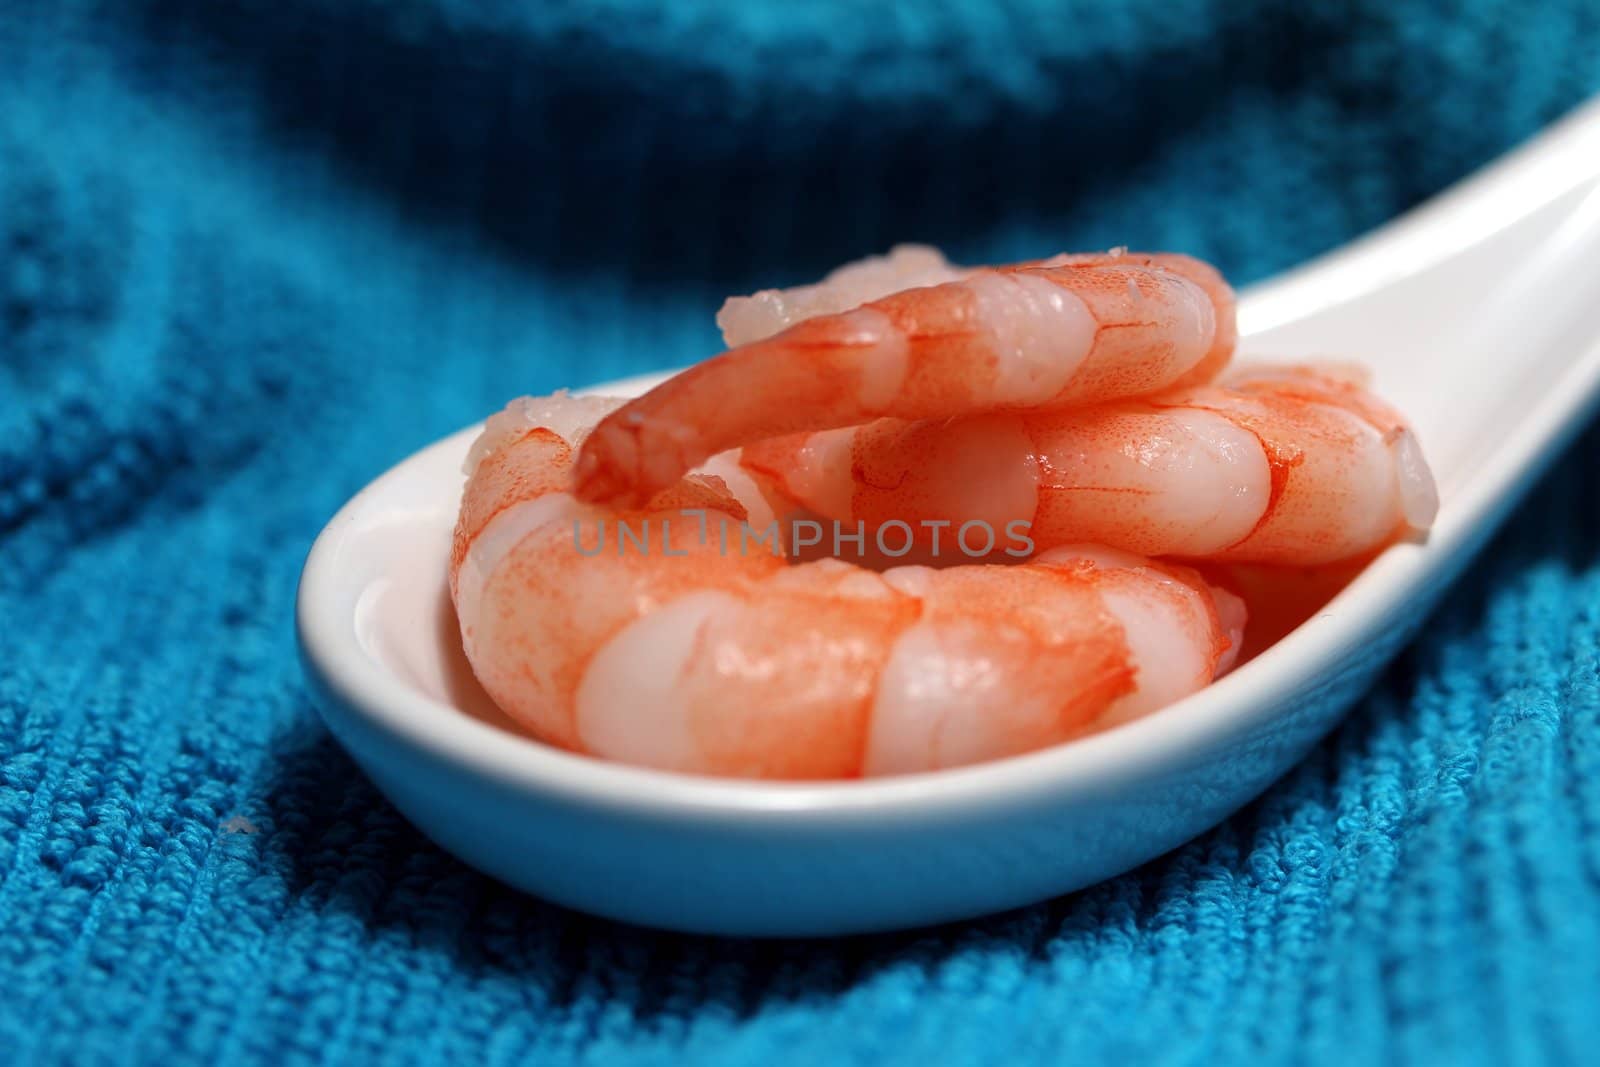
(1480, 315)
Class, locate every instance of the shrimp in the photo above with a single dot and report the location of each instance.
(1295, 465)
(1043, 335)
(681, 645)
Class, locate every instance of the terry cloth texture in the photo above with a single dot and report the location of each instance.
(252, 252)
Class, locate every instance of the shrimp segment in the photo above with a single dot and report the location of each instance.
(744, 319)
(1282, 465)
(1047, 335)
(695, 652)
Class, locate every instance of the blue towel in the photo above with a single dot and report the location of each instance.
(252, 252)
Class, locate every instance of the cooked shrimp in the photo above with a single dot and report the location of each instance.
(1045, 335)
(688, 652)
(1293, 465)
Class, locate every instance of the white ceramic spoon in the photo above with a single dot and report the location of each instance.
(1480, 313)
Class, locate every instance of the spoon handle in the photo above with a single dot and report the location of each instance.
(1556, 167)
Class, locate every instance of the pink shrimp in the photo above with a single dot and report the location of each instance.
(684, 646)
(1295, 465)
(1045, 335)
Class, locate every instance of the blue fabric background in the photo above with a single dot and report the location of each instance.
(254, 251)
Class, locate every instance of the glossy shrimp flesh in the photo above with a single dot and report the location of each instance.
(680, 644)
(1283, 465)
(1043, 335)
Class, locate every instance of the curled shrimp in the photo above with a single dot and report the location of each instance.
(1042, 335)
(695, 651)
(1285, 465)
